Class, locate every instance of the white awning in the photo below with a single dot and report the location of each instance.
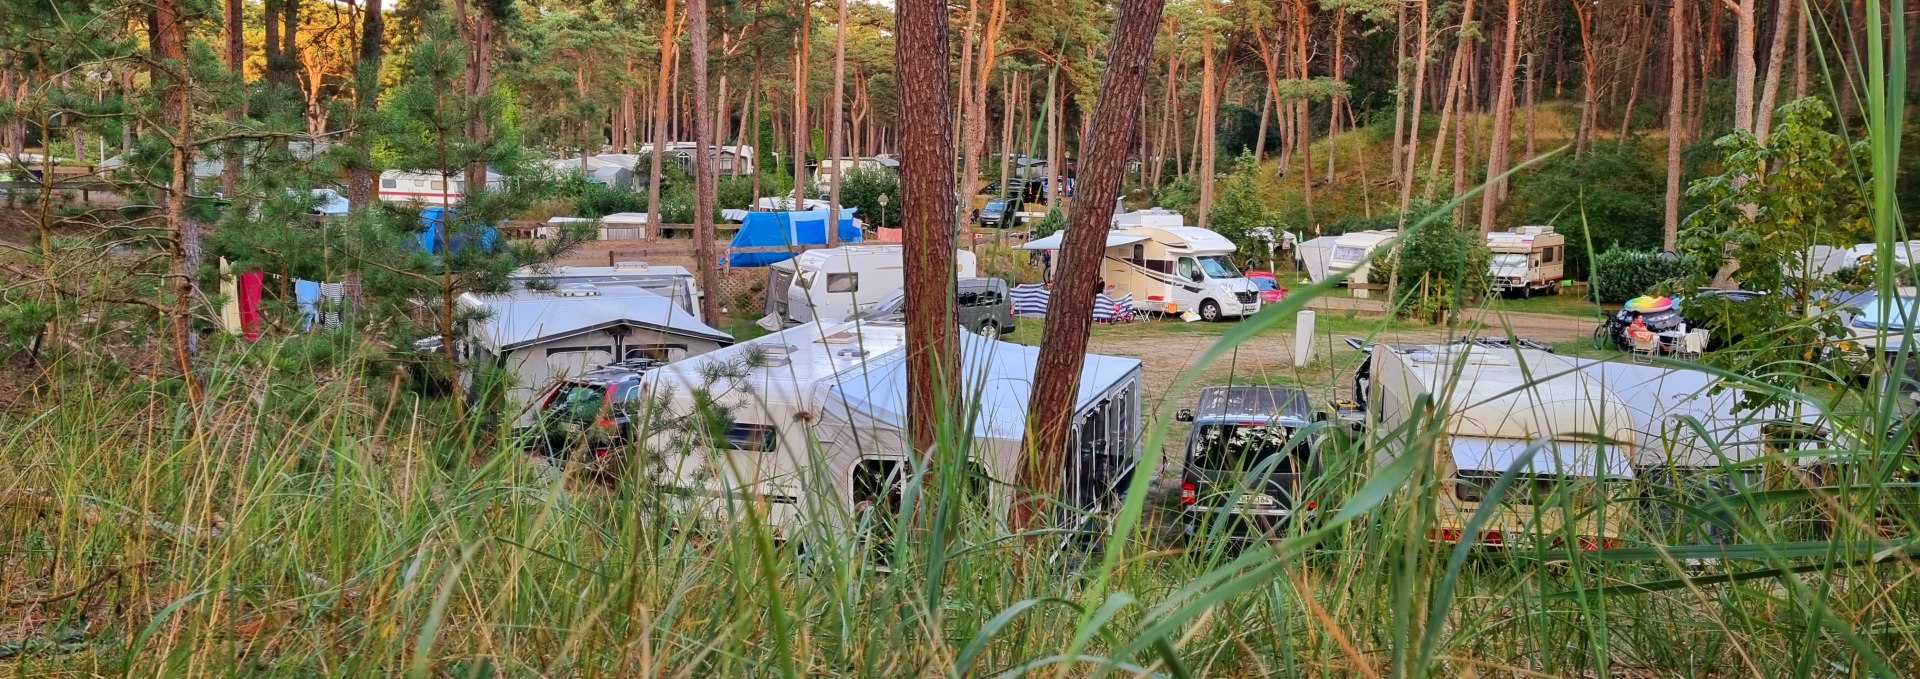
(1114, 240)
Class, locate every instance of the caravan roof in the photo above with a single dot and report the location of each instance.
(1114, 239)
(1196, 239)
(521, 317)
(1155, 217)
(1367, 239)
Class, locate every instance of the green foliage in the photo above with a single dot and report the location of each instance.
(593, 200)
(862, 188)
(1049, 225)
(1353, 223)
(1613, 197)
(1240, 130)
(1773, 201)
(1620, 274)
(1442, 267)
(1239, 207)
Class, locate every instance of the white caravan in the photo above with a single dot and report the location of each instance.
(431, 188)
(1527, 259)
(541, 336)
(1590, 422)
(1171, 269)
(672, 282)
(839, 283)
(815, 425)
(1355, 251)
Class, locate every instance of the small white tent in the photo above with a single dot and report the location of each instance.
(1316, 256)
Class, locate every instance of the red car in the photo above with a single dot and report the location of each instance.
(1269, 285)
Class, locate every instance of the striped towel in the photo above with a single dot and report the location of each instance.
(335, 295)
(1030, 300)
(1123, 308)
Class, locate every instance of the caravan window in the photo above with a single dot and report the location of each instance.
(752, 438)
(437, 185)
(1139, 254)
(658, 352)
(1349, 253)
(389, 183)
(843, 282)
(1548, 255)
(981, 297)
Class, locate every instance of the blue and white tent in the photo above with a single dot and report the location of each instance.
(762, 234)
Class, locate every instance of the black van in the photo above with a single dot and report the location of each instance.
(1237, 431)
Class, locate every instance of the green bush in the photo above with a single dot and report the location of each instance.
(594, 201)
(1620, 274)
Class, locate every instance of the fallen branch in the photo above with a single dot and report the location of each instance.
(97, 580)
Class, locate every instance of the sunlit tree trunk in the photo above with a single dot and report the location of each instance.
(927, 207)
(1589, 74)
(1676, 115)
(1502, 143)
(1744, 69)
(704, 173)
(170, 79)
(236, 56)
(1070, 315)
(1776, 62)
(802, 133)
(1413, 122)
(1209, 114)
(660, 99)
(1303, 127)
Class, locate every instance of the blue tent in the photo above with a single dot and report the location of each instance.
(435, 218)
(785, 230)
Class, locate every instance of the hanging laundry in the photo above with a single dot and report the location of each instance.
(249, 312)
(336, 296)
(230, 293)
(307, 294)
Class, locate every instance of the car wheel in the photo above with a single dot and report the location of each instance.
(1209, 311)
(990, 330)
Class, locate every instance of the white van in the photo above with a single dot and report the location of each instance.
(1171, 269)
(839, 283)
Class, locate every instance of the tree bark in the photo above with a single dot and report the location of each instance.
(1070, 315)
(704, 174)
(835, 140)
(1589, 75)
(1209, 114)
(1776, 61)
(363, 182)
(1502, 143)
(1744, 69)
(236, 57)
(1676, 103)
(170, 78)
(927, 206)
(802, 134)
(1303, 125)
(1413, 124)
(660, 89)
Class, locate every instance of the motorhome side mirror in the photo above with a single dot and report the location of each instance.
(1196, 277)
(1185, 415)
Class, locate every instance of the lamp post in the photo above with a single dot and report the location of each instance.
(883, 210)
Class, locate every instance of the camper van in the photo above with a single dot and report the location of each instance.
(1172, 270)
(672, 282)
(1527, 259)
(431, 188)
(841, 282)
(816, 425)
(1592, 424)
(1355, 251)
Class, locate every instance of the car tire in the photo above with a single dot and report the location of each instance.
(990, 330)
(1209, 311)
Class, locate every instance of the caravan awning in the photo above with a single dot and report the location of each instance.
(1114, 240)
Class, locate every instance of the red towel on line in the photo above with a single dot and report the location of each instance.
(250, 283)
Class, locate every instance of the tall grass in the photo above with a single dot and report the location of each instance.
(314, 518)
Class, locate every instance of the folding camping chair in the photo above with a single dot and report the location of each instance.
(1644, 346)
(1692, 344)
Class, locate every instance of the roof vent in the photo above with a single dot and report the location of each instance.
(630, 266)
(578, 290)
(772, 356)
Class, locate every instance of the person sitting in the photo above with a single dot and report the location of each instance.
(1637, 330)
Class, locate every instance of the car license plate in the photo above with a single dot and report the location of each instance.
(1257, 501)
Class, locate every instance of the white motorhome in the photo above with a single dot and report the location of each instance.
(672, 282)
(1590, 423)
(543, 336)
(815, 425)
(839, 283)
(1172, 269)
(1527, 259)
(431, 188)
(1355, 251)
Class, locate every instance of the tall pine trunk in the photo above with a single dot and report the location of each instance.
(704, 174)
(1501, 146)
(920, 58)
(236, 57)
(1776, 60)
(1209, 113)
(1413, 123)
(835, 137)
(802, 134)
(1676, 118)
(660, 98)
(169, 75)
(1070, 316)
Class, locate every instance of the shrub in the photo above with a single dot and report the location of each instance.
(1620, 274)
(594, 201)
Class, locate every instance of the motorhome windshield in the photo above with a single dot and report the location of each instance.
(1509, 259)
(1229, 447)
(1217, 266)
